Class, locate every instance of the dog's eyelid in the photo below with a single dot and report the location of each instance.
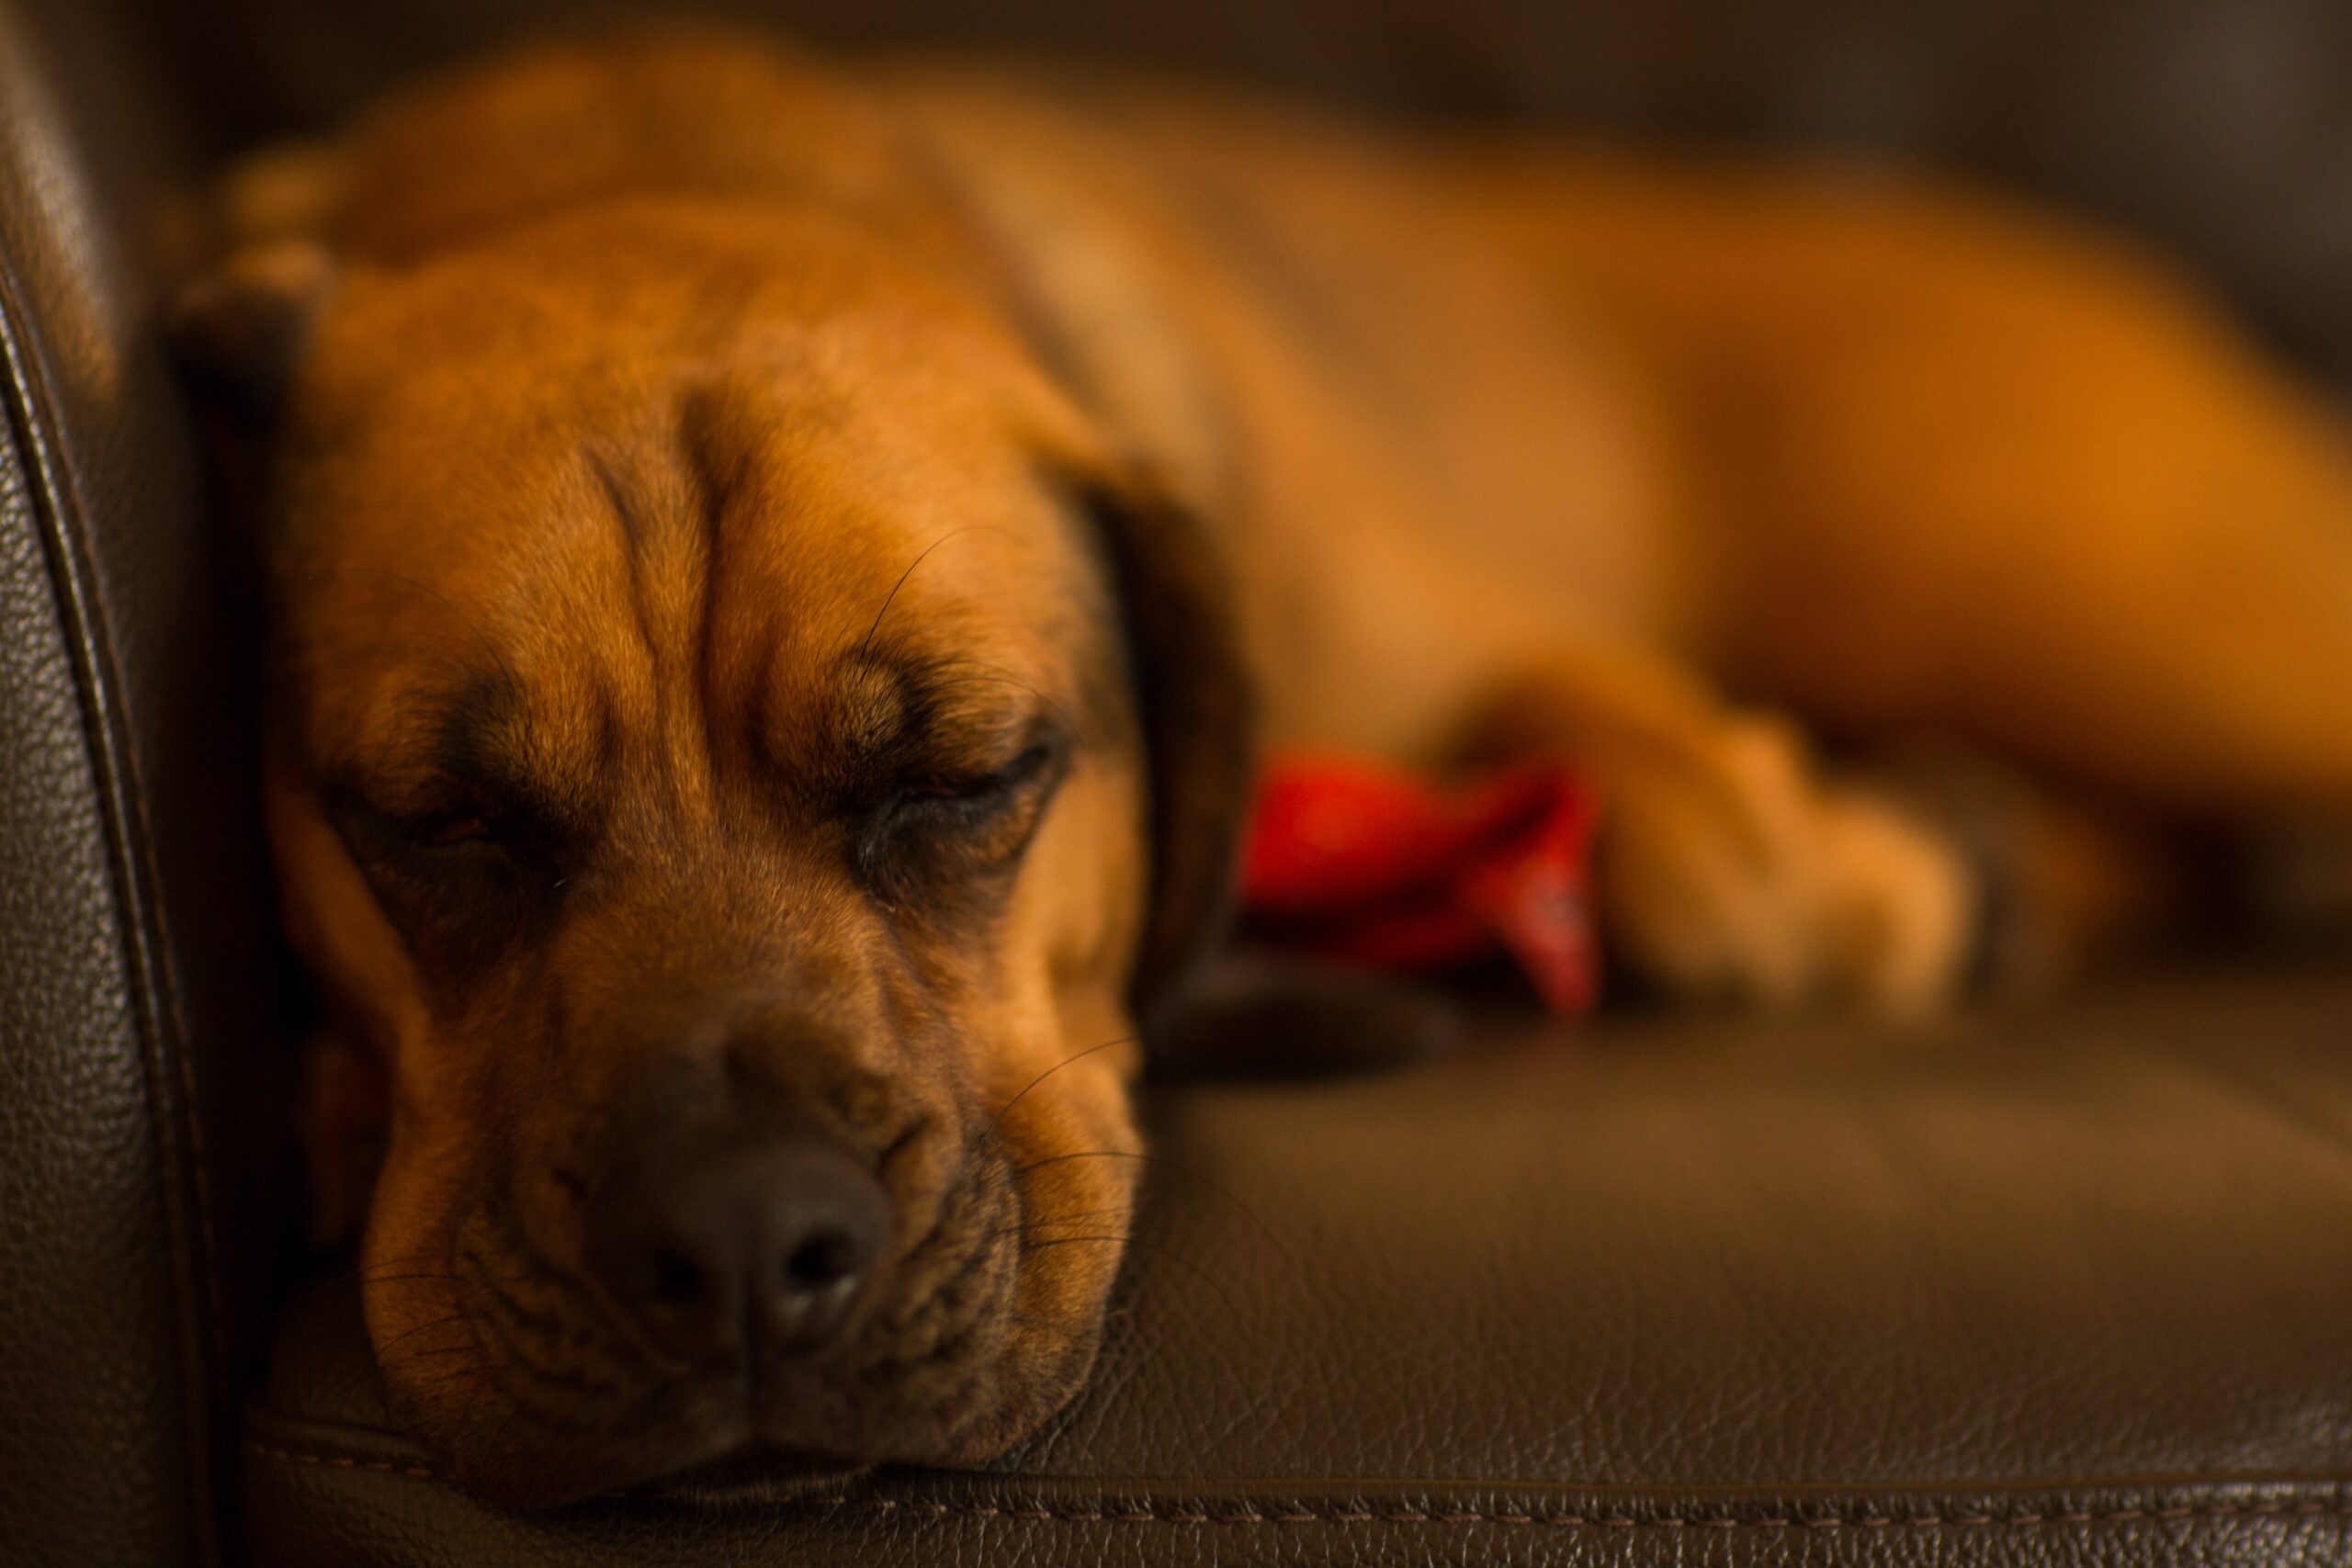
(441, 811)
(1039, 755)
(964, 809)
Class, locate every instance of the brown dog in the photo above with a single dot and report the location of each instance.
(771, 565)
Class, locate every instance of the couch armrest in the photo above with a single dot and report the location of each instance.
(132, 934)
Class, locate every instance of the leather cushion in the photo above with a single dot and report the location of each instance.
(2067, 1284)
(133, 939)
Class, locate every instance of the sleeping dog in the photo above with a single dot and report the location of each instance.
(777, 571)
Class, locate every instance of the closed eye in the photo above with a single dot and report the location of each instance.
(447, 830)
(983, 788)
(973, 823)
(464, 831)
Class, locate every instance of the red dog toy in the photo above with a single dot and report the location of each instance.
(1369, 866)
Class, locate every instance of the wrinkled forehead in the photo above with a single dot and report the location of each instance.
(620, 533)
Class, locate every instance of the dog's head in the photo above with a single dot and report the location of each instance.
(742, 750)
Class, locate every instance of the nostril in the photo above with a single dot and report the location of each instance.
(826, 1258)
(675, 1280)
(827, 1220)
(570, 1187)
(761, 1244)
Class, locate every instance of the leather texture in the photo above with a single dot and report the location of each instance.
(2071, 1285)
(131, 933)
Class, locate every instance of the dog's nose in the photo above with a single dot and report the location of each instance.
(758, 1247)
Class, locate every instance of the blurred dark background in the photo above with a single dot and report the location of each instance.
(2221, 128)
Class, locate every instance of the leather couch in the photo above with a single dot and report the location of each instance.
(2068, 1282)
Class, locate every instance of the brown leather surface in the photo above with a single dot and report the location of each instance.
(131, 936)
(2066, 1285)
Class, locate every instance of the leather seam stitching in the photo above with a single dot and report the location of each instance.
(1301, 1515)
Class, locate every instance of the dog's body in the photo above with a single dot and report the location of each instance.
(737, 462)
(1517, 447)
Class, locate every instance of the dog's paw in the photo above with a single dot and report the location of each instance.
(1735, 870)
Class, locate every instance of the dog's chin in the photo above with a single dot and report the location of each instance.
(704, 1448)
(758, 1472)
(703, 1469)
(707, 1468)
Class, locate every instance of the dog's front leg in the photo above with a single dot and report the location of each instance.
(1730, 863)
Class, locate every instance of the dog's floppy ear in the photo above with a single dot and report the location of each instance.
(239, 329)
(1206, 1011)
(1194, 704)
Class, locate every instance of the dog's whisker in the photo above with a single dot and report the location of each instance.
(384, 1351)
(1124, 1240)
(389, 1358)
(1040, 1227)
(414, 1274)
(997, 1121)
(416, 1371)
(411, 1357)
(867, 645)
(1066, 1216)
(1162, 1162)
(367, 1271)
(1026, 1231)
(514, 1408)
(511, 1347)
(363, 1274)
(1074, 1322)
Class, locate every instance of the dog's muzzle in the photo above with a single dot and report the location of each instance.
(735, 1249)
